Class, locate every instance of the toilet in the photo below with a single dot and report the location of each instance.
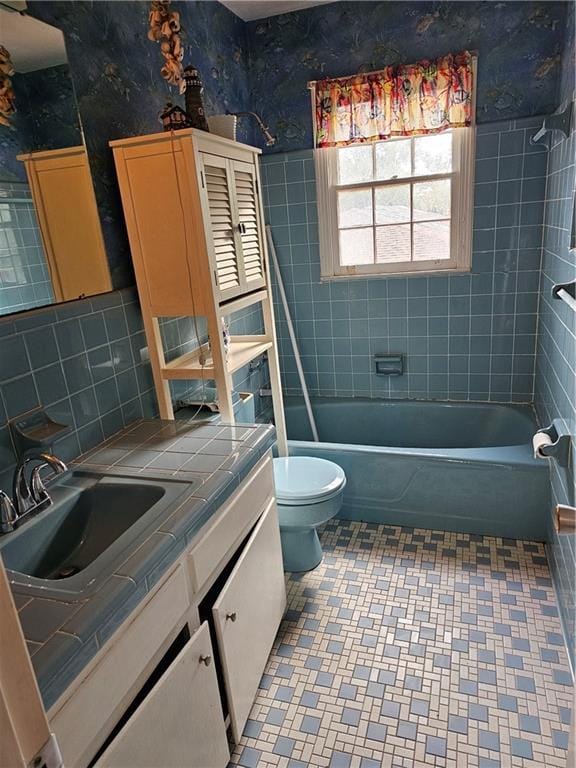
(309, 492)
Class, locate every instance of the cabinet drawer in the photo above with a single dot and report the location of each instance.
(180, 722)
(247, 615)
(231, 522)
(103, 695)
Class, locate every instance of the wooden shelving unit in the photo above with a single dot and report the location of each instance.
(194, 215)
(242, 350)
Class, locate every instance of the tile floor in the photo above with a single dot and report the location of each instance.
(414, 648)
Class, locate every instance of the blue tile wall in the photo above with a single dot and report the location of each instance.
(84, 362)
(465, 337)
(24, 277)
(555, 395)
(87, 363)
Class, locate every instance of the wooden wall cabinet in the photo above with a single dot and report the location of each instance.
(193, 211)
(65, 204)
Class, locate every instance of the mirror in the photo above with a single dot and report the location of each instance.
(51, 246)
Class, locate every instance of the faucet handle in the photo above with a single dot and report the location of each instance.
(37, 487)
(7, 513)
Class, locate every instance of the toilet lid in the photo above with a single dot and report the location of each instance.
(307, 479)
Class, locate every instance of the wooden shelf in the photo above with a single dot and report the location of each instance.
(246, 348)
(233, 305)
(242, 350)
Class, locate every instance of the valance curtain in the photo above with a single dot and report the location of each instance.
(401, 100)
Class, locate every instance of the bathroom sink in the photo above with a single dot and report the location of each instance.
(94, 520)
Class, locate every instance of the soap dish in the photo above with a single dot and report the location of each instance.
(35, 430)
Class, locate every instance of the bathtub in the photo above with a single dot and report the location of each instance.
(465, 467)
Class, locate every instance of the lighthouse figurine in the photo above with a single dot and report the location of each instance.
(193, 96)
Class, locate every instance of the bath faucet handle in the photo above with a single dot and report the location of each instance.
(37, 487)
(7, 513)
(29, 497)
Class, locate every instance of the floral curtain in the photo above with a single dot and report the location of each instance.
(402, 100)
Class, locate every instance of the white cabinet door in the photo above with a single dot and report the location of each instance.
(236, 244)
(225, 245)
(180, 723)
(247, 615)
(249, 224)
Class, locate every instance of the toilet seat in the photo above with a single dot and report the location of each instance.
(302, 480)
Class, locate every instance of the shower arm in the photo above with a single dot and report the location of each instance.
(270, 140)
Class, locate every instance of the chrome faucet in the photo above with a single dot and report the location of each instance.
(7, 513)
(28, 497)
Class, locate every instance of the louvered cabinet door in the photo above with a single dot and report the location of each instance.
(250, 228)
(226, 244)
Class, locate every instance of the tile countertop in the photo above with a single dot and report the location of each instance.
(64, 634)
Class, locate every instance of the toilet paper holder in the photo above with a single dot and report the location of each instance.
(559, 447)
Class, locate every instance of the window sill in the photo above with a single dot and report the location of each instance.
(381, 275)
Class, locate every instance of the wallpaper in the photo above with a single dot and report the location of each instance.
(120, 92)
(265, 65)
(519, 46)
(47, 115)
(46, 118)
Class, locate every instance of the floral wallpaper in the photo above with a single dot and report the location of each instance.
(519, 44)
(46, 118)
(265, 65)
(116, 75)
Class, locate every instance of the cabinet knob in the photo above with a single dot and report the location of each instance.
(206, 660)
(231, 616)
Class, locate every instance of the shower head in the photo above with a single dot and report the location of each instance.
(270, 140)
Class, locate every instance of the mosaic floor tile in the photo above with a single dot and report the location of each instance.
(410, 648)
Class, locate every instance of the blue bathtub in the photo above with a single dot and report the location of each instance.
(464, 467)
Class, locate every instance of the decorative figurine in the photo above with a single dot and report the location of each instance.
(174, 117)
(194, 103)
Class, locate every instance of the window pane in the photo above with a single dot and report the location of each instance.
(356, 246)
(393, 159)
(355, 208)
(433, 154)
(355, 164)
(393, 243)
(431, 200)
(392, 204)
(432, 240)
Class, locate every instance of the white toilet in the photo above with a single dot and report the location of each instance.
(309, 492)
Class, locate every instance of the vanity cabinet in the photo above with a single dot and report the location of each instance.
(172, 671)
(247, 615)
(180, 721)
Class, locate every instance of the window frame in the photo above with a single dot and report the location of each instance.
(461, 191)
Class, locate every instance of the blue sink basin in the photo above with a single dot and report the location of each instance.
(89, 530)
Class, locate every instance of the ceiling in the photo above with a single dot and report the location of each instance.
(31, 43)
(261, 9)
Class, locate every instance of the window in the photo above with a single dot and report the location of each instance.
(399, 206)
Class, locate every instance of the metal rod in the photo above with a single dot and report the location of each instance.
(565, 296)
(565, 519)
(291, 333)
